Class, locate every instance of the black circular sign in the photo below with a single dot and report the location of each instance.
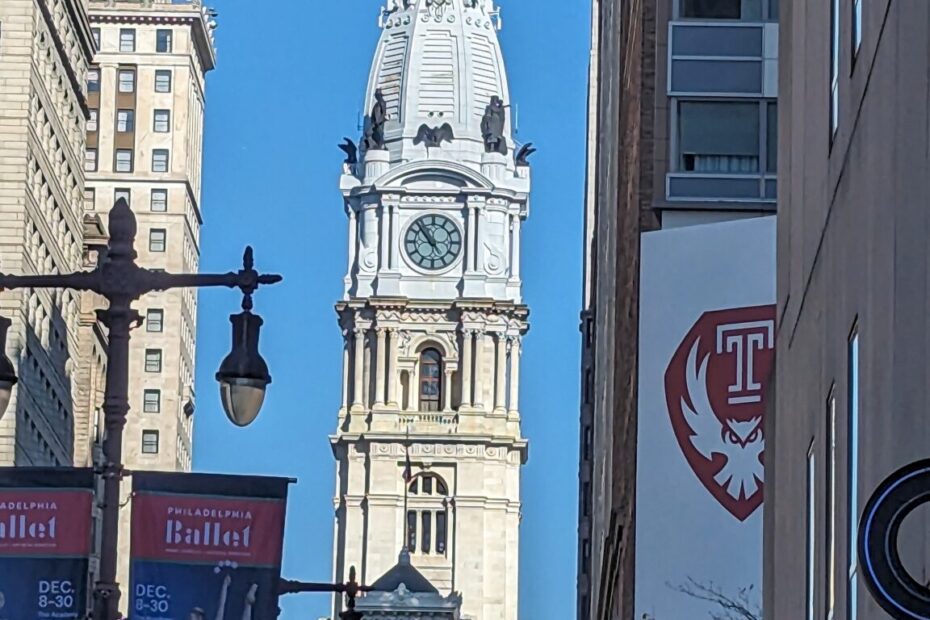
(891, 585)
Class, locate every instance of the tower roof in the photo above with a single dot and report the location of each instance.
(438, 62)
(404, 573)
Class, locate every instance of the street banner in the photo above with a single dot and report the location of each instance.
(206, 546)
(46, 516)
(706, 349)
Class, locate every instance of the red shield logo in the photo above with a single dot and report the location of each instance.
(714, 387)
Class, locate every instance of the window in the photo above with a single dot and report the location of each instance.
(93, 81)
(159, 200)
(427, 531)
(92, 119)
(771, 137)
(90, 160)
(831, 508)
(163, 41)
(430, 380)
(811, 532)
(162, 122)
(157, 240)
(127, 39)
(127, 81)
(852, 456)
(125, 121)
(412, 531)
(163, 81)
(90, 199)
(834, 67)
(718, 137)
(124, 160)
(155, 321)
(149, 442)
(441, 532)
(95, 32)
(160, 160)
(153, 360)
(151, 401)
(123, 193)
(750, 10)
(857, 26)
(428, 525)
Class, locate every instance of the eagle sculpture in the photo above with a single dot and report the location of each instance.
(433, 137)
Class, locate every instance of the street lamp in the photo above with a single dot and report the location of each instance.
(7, 372)
(121, 281)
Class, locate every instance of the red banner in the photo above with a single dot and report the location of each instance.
(45, 522)
(205, 529)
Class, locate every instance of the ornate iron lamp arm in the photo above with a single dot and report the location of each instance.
(80, 281)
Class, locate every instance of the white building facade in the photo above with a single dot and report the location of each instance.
(433, 315)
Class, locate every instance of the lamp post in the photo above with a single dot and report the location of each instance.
(121, 281)
(351, 589)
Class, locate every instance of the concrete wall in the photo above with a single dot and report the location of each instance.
(853, 225)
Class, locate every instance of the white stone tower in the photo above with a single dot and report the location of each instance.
(432, 313)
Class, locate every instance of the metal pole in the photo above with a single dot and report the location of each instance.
(119, 319)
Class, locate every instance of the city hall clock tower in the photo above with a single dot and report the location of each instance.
(433, 316)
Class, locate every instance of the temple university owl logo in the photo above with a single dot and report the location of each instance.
(714, 387)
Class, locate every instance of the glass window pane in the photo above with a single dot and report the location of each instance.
(150, 442)
(162, 121)
(92, 120)
(412, 531)
(125, 120)
(441, 532)
(159, 200)
(163, 81)
(747, 10)
(153, 360)
(127, 40)
(718, 137)
(427, 518)
(428, 485)
(157, 238)
(163, 41)
(93, 81)
(154, 321)
(160, 160)
(90, 160)
(151, 401)
(95, 32)
(124, 160)
(127, 81)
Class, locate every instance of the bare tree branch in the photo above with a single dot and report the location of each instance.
(738, 607)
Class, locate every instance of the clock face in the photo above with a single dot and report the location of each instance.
(433, 242)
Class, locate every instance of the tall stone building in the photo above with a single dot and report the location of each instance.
(682, 132)
(433, 314)
(45, 51)
(145, 144)
(851, 390)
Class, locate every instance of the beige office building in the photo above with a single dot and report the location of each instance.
(45, 50)
(144, 144)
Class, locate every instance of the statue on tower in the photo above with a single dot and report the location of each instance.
(374, 128)
(492, 127)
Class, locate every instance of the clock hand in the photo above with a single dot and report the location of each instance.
(429, 235)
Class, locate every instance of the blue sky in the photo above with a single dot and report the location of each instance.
(289, 85)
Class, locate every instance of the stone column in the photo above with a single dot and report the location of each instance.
(500, 403)
(447, 390)
(479, 244)
(385, 238)
(395, 237)
(345, 369)
(359, 367)
(480, 360)
(514, 375)
(353, 243)
(379, 358)
(467, 340)
(472, 239)
(392, 375)
(515, 262)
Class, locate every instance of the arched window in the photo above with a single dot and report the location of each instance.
(430, 380)
(427, 518)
